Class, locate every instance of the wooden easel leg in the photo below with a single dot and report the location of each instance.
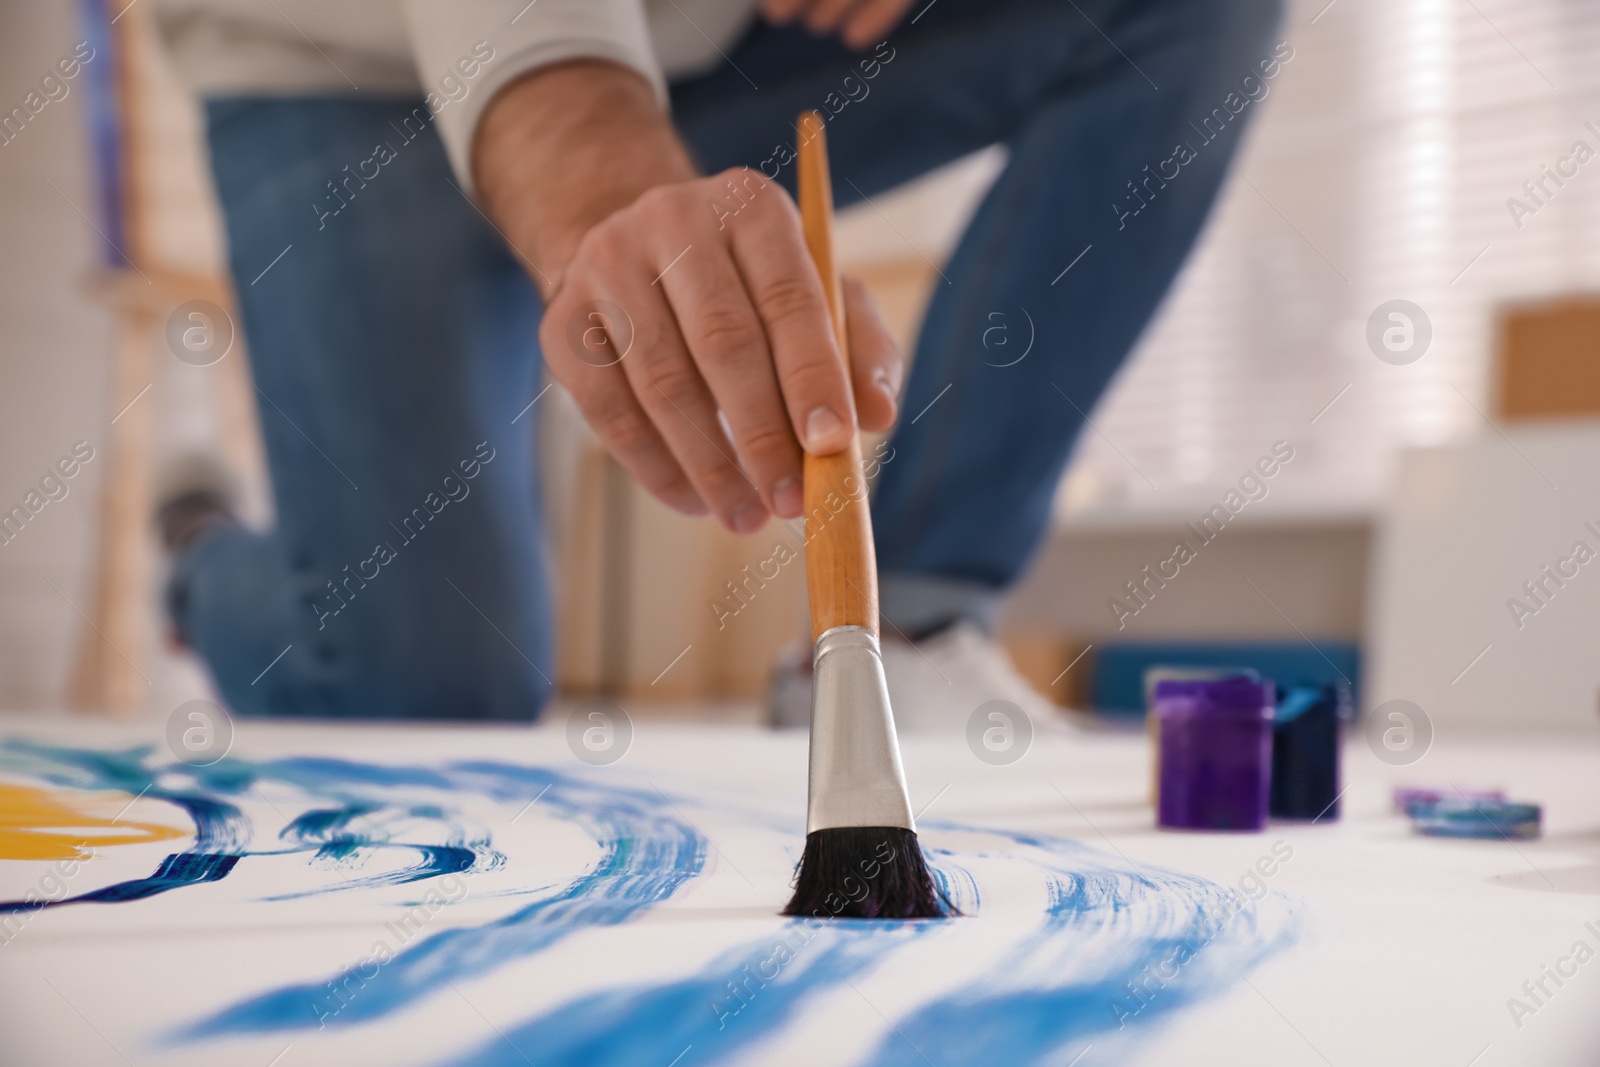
(109, 675)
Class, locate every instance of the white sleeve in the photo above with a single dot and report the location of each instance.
(448, 35)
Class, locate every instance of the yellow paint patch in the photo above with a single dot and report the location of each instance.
(43, 824)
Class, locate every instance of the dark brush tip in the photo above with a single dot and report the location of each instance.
(866, 872)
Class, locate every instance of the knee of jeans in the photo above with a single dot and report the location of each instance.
(518, 686)
(516, 694)
(463, 675)
(435, 690)
(1251, 24)
(1235, 45)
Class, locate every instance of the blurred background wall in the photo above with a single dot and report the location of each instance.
(1424, 490)
(54, 357)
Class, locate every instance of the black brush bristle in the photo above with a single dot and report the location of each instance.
(866, 872)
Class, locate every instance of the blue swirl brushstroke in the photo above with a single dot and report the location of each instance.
(221, 830)
(742, 997)
(647, 853)
(338, 836)
(738, 999)
(433, 861)
(1106, 926)
(1118, 943)
(176, 871)
(325, 824)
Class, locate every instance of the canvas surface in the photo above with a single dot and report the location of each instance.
(383, 895)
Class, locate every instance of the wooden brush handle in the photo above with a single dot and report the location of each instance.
(841, 567)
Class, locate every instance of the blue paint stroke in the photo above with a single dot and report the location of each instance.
(1119, 946)
(325, 824)
(647, 854)
(433, 861)
(341, 837)
(742, 997)
(181, 869)
(221, 830)
(1107, 926)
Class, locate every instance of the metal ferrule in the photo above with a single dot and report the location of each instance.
(856, 777)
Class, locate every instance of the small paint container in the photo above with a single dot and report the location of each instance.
(1495, 819)
(1409, 800)
(1154, 676)
(1305, 751)
(1215, 742)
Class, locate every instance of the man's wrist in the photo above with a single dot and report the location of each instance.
(562, 148)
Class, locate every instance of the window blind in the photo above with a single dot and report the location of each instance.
(1380, 169)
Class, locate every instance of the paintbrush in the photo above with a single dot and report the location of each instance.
(862, 859)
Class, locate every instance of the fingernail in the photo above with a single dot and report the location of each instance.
(748, 519)
(887, 386)
(688, 504)
(787, 498)
(822, 426)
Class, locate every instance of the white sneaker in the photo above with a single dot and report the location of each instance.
(194, 493)
(934, 685)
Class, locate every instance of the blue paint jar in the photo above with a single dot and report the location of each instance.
(1305, 751)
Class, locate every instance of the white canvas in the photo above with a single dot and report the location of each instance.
(628, 914)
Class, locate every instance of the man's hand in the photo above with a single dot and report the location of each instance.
(719, 318)
(684, 314)
(859, 23)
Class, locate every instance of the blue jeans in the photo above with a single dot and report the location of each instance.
(394, 351)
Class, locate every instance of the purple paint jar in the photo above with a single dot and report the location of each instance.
(1215, 739)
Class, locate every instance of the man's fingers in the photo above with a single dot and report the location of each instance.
(669, 387)
(728, 342)
(783, 284)
(877, 366)
(825, 16)
(714, 360)
(600, 389)
(626, 432)
(779, 12)
(871, 21)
